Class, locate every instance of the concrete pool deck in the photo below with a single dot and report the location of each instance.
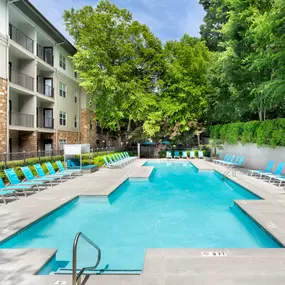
(162, 266)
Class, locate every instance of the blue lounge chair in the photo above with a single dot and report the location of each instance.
(8, 191)
(30, 176)
(110, 164)
(192, 154)
(59, 174)
(42, 174)
(200, 154)
(184, 154)
(268, 168)
(230, 160)
(68, 171)
(236, 163)
(176, 154)
(226, 158)
(236, 160)
(168, 154)
(125, 157)
(118, 163)
(132, 157)
(276, 175)
(14, 180)
(121, 158)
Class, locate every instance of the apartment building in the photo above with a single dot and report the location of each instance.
(41, 104)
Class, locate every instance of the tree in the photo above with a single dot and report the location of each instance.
(216, 16)
(181, 99)
(119, 62)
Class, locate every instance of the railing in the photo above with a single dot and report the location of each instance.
(21, 79)
(76, 277)
(48, 58)
(21, 120)
(21, 39)
(45, 89)
(44, 122)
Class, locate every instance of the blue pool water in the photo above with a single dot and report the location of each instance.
(177, 208)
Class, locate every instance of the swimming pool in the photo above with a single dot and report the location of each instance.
(178, 207)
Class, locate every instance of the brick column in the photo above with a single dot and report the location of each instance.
(3, 115)
(28, 141)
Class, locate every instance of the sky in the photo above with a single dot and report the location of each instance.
(167, 19)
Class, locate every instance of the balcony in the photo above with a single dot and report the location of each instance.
(46, 54)
(21, 120)
(22, 79)
(45, 122)
(45, 89)
(20, 38)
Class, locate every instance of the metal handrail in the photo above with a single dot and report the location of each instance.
(76, 277)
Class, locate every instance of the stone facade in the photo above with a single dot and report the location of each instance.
(70, 137)
(28, 141)
(3, 115)
(88, 135)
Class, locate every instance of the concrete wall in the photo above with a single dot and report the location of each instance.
(255, 157)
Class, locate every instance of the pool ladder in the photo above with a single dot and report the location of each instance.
(76, 278)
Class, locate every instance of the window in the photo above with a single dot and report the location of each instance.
(62, 118)
(62, 90)
(75, 121)
(90, 124)
(62, 61)
(75, 98)
(62, 142)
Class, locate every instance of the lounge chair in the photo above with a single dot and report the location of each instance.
(71, 171)
(200, 154)
(192, 154)
(184, 154)
(230, 160)
(42, 174)
(277, 175)
(176, 154)
(30, 177)
(111, 164)
(237, 163)
(119, 163)
(268, 168)
(8, 191)
(131, 157)
(57, 174)
(236, 160)
(120, 159)
(14, 180)
(125, 158)
(168, 154)
(227, 157)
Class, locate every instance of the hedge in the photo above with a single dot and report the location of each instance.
(267, 133)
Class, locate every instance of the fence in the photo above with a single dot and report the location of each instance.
(23, 156)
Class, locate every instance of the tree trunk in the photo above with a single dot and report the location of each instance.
(129, 125)
(119, 135)
(198, 139)
(260, 112)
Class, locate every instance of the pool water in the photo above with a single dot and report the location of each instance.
(178, 207)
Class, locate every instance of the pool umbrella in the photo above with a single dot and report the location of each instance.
(149, 143)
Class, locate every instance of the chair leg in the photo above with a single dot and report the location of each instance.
(4, 200)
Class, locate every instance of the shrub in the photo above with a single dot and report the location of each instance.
(270, 132)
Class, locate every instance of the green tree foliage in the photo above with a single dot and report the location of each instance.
(182, 100)
(119, 61)
(246, 80)
(216, 16)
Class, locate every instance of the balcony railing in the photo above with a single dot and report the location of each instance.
(44, 122)
(42, 54)
(20, 38)
(45, 89)
(21, 79)
(21, 120)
